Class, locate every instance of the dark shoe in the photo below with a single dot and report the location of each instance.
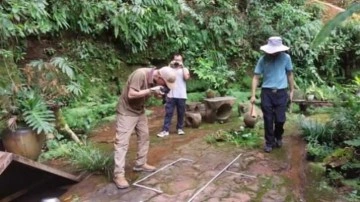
(121, 182)
(267, 149)
(278, 143)
(146, 167)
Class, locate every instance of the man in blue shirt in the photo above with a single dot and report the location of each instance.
(276, 68)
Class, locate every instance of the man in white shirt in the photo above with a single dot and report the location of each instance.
(176, 97)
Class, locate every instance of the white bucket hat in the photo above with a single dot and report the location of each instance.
(169, 76)
(274, 45)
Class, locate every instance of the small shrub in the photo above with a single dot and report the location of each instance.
(90, 158)
(87, 157)
(317, 152)
(196, 85)
(245, 138)
(312, 131)
(196, 97)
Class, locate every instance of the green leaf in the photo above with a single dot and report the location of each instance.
(333, 23)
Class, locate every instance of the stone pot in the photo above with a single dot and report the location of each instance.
(249, 120)
(24, 142)
(250, 117)
(310, 97)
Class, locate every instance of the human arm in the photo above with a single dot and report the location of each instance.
(290, 77)
(186, 73)
(142, 93)
(254, 84)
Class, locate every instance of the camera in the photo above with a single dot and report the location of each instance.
(165, 89)
(176, 64)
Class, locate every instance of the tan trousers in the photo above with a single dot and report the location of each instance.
(125, 125)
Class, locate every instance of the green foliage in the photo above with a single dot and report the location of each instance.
(55, 80)
(196, 97)
(101, 70)
(353, 142)
(87, 157)
(245, 82)
(196, 85)
(57, 148)
(345, 124)
(312, 131)
(245, 138)
(35, 112)
(333, 23)
(354, 195)
(216, 73)
(88, 115)
(90, 158)
(153, 101)
(317, 152)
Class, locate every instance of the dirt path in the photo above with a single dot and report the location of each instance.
(254, 176)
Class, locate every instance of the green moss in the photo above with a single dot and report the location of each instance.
(316, 185)
(266, 185)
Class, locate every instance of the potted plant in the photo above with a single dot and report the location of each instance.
(310, 92)
(25, 119)
(29, 102)
(314, 92)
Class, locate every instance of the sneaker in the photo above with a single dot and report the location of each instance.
(163, 134)
(121, 182)
(267, 149)
(146, 167)
(181, 132)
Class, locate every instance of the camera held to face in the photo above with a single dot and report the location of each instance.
(176, 64)
(165, 89)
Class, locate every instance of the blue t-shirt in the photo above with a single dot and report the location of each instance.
(274, 70)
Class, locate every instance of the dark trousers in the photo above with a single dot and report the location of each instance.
(170, 105)
(273, 106)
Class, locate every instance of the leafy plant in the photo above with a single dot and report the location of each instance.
(246, 138)
(57, 148)
(26, 107)
(317, 152)
(313, 131)
(333, 23)
(89, 157)
(216, 73)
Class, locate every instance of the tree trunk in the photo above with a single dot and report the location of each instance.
(61, 125)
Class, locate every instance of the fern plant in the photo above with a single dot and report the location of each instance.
(26, 108)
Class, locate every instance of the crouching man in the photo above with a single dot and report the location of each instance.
(141, 84)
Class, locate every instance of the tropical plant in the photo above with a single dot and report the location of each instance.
(22, 106)
(33, 98)
(333, 23)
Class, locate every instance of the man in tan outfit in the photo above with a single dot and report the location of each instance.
(141, 84)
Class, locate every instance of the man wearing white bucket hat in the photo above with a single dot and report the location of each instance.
(276, 68)
(141, 84)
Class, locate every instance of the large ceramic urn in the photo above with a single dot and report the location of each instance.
(23, 141)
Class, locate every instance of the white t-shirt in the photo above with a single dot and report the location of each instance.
(180, 89)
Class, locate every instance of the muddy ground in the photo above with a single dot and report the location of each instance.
(205, 172)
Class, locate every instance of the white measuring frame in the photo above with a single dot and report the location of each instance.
(157, 190)
(202, 188)
(217, 175)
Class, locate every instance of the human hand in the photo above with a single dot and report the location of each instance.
(291, 95)
(252, 99)
(157, 89)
